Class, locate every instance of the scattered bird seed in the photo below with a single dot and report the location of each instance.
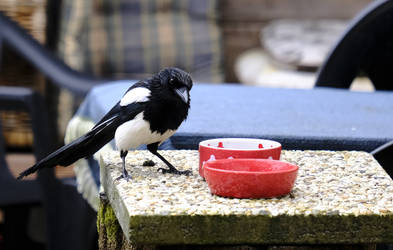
(148, 163)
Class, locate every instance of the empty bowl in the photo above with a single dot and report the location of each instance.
(224, 148)
(250, 178)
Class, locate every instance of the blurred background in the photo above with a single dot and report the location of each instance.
(270, 43)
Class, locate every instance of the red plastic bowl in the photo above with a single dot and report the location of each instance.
(250, 178)
(224, 148)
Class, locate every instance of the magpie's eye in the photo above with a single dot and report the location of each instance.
(172, 81)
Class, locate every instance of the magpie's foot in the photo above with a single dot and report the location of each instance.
(174, 171)
(149, 163)
(126, 176)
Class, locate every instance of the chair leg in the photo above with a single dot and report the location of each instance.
(70, 221)
(384, 156)
(15, 228)
(15, 224)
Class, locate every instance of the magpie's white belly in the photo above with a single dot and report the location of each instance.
(136, 132)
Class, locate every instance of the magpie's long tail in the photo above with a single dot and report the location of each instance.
(84, 146)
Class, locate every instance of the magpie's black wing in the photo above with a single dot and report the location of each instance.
(86, 145)
(117, 109)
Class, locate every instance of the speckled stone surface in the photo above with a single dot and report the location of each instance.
(339, 197)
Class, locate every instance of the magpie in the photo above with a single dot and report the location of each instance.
(149, 112)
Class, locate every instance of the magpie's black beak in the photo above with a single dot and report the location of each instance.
(183, 93)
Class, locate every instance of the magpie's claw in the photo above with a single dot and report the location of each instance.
(125, 176)
(174, 171)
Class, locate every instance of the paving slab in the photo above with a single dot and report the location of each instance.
(340, 197)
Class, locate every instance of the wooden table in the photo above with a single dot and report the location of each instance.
(343, 198)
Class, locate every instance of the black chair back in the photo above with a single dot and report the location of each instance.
(366, 47)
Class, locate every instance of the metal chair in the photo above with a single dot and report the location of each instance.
(366, 47)
(16, 197)
(70, 221)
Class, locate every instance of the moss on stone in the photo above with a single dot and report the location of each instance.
(261, 229)
(111, 224)
(109, 230)
(149, 231)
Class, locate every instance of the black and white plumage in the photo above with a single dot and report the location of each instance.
(148, 113)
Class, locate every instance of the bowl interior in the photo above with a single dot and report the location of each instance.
(252, 166)
(240, 144)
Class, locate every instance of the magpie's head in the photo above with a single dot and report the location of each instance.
(177, 82)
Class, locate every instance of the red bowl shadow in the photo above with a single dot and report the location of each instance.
(250, 178)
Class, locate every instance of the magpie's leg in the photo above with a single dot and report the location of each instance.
(125, 175)
(153, 149)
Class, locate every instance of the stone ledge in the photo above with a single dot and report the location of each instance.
(339, 198)
(112, 237)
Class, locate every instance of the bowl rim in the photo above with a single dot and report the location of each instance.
(206, 166)
(205, 142)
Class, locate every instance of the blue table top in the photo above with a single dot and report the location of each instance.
(319, 118)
